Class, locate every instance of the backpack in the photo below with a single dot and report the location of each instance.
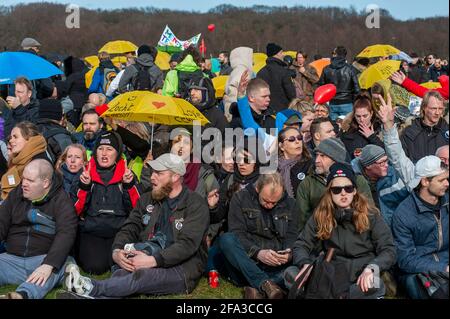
(143, 80)
(184, 81)
(109, 74)
(57, 141)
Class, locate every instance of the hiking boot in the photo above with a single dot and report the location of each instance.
(75, 282)
(11, 295)
(272, 290)
(252, 293)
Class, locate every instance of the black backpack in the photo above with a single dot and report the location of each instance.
(57, 141)
(143, 80)
(185, 80)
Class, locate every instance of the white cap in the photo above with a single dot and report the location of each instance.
(428, 166)
(169, 162)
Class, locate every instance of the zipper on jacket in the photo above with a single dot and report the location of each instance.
(439, 230)
(27, 242)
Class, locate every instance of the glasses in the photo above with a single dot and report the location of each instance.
(336, 190)
(293, 138)
(382, 163)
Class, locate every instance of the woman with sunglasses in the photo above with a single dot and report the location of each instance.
(362, 242)
(294, 159)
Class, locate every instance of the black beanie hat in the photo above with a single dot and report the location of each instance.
(341, 170)
(50, 109)
(272, 49)
(111, 139)
(144, 49)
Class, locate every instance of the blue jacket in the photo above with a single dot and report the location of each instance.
(421, 239)
(390, 190)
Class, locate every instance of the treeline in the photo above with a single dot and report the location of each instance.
(315, 30)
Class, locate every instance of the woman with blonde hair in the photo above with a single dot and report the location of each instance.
(70, 165)
(362, 242)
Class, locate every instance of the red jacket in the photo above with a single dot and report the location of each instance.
(420, 91)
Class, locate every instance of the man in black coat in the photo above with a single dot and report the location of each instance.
(279, 78)
(38, 224)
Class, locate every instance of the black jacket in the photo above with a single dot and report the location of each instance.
(353, 139)
(419, 140)
(265, 120)
(246, 221)
(22, 113)
(343, 76)
(374, 246)
(75, 84)
(190, 221)
(45, 227)
(57, 137)
(279, 78)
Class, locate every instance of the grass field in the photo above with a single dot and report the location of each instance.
(225, 291)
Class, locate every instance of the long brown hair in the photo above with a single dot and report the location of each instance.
(362, 101)
(324, 214)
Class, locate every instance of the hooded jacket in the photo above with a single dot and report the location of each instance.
(45, 227)
(278, 76)
(22, 113)
(75, 86)
(344, 77)
(131, 72)
(98, 79)
(190, 221)
(241, 59)
(170, 87)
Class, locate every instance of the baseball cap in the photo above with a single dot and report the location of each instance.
(169, 162)
(428, 166)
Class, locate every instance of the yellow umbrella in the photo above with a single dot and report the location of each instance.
(119, 46)
(291, 53)
(219, 83)
(378, 71)
(431, 85)
(88, 76)
(259, 57)
(162, 60)
(145, 106)
(378, 50)
(92, 60)
(118, 60)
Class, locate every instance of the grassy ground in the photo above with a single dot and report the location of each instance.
(225, 291)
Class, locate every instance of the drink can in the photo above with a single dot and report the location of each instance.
(213, 279)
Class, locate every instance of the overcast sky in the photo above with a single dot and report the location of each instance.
(399, 9)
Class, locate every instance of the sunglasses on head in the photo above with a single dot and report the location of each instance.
(336, 190)
(293, 138)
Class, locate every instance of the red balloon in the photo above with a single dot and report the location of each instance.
(211, 27)
(324, 93)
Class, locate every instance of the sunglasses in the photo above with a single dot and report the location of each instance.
(293, 138)
(336, 190)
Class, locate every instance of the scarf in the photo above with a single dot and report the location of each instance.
(244, 180)
(284, 167)
(190, 179)
(34, 146)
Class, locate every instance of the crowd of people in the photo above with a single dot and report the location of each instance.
(359, 179)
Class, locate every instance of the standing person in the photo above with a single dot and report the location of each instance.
(103, 75)
(276, 74)
(364, 127)
(25, 144)
(343, 76)
(294, 160)
(105, 195)
(23, 106)
(225, 67)
(169, 211)
(437, 70)
(346, 221)
(38, 224)
(306, 77)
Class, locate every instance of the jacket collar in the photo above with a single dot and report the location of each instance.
(421, 208)
(118, 172)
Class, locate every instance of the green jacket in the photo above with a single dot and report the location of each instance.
(310, 191)
(170, 87)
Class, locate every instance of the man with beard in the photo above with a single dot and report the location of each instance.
(420, 227)
(92, 127)
(170, 211)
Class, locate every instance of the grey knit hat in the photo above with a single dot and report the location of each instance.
(333, 148)
(370, 154)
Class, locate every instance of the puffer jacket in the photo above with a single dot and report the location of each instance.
(245, 220)
(344, 77)
(190, 221)
(421, 238)
(47, 226)
(241, 59)
(372, 247)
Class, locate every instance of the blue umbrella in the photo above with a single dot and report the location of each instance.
(14, 64)
(402, 56)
